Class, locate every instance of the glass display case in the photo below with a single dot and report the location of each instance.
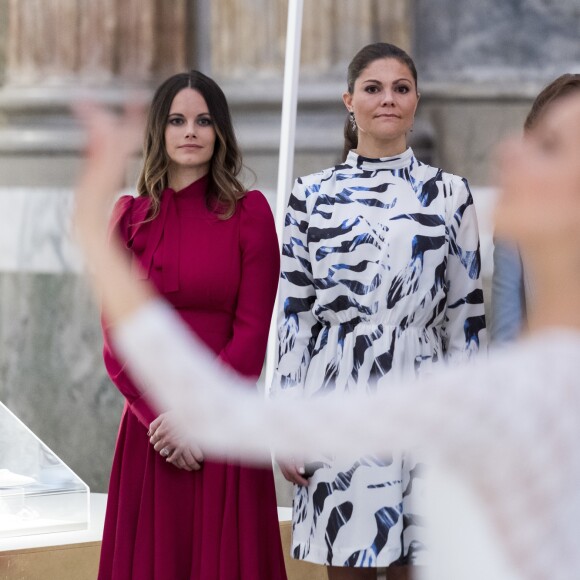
(39, 493)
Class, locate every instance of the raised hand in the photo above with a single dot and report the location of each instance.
(111, 140)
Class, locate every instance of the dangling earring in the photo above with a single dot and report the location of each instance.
(353, 125)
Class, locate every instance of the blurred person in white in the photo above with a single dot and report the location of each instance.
(512, 290)
(516, 445)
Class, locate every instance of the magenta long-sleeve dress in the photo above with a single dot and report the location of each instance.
(219, 523)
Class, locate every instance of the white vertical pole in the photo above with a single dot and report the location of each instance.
(287, 143)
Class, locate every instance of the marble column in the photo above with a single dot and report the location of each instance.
(248, 37)
(334, 30)
(81, 41)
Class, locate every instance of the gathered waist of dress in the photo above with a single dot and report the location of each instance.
(364, 323)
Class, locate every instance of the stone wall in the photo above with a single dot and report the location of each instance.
(481, 64)
(496, 41)
(51, 374)
(248, 38)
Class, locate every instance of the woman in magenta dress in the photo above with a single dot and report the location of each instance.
(210, 247)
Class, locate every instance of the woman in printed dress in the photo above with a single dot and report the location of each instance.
(380, 279)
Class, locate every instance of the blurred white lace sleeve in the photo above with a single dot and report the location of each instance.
(509, 426)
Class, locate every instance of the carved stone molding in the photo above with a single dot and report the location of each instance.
(248, 38)
(94, 42)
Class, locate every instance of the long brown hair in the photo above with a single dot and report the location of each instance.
(224, 188)
(558, 88)
(361, 60)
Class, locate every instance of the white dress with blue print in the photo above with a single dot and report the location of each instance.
(380, 279)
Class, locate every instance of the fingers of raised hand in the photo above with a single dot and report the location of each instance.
(109, 133)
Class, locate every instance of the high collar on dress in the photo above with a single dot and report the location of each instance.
(197, 186)
(400, 161)
(170, 246)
